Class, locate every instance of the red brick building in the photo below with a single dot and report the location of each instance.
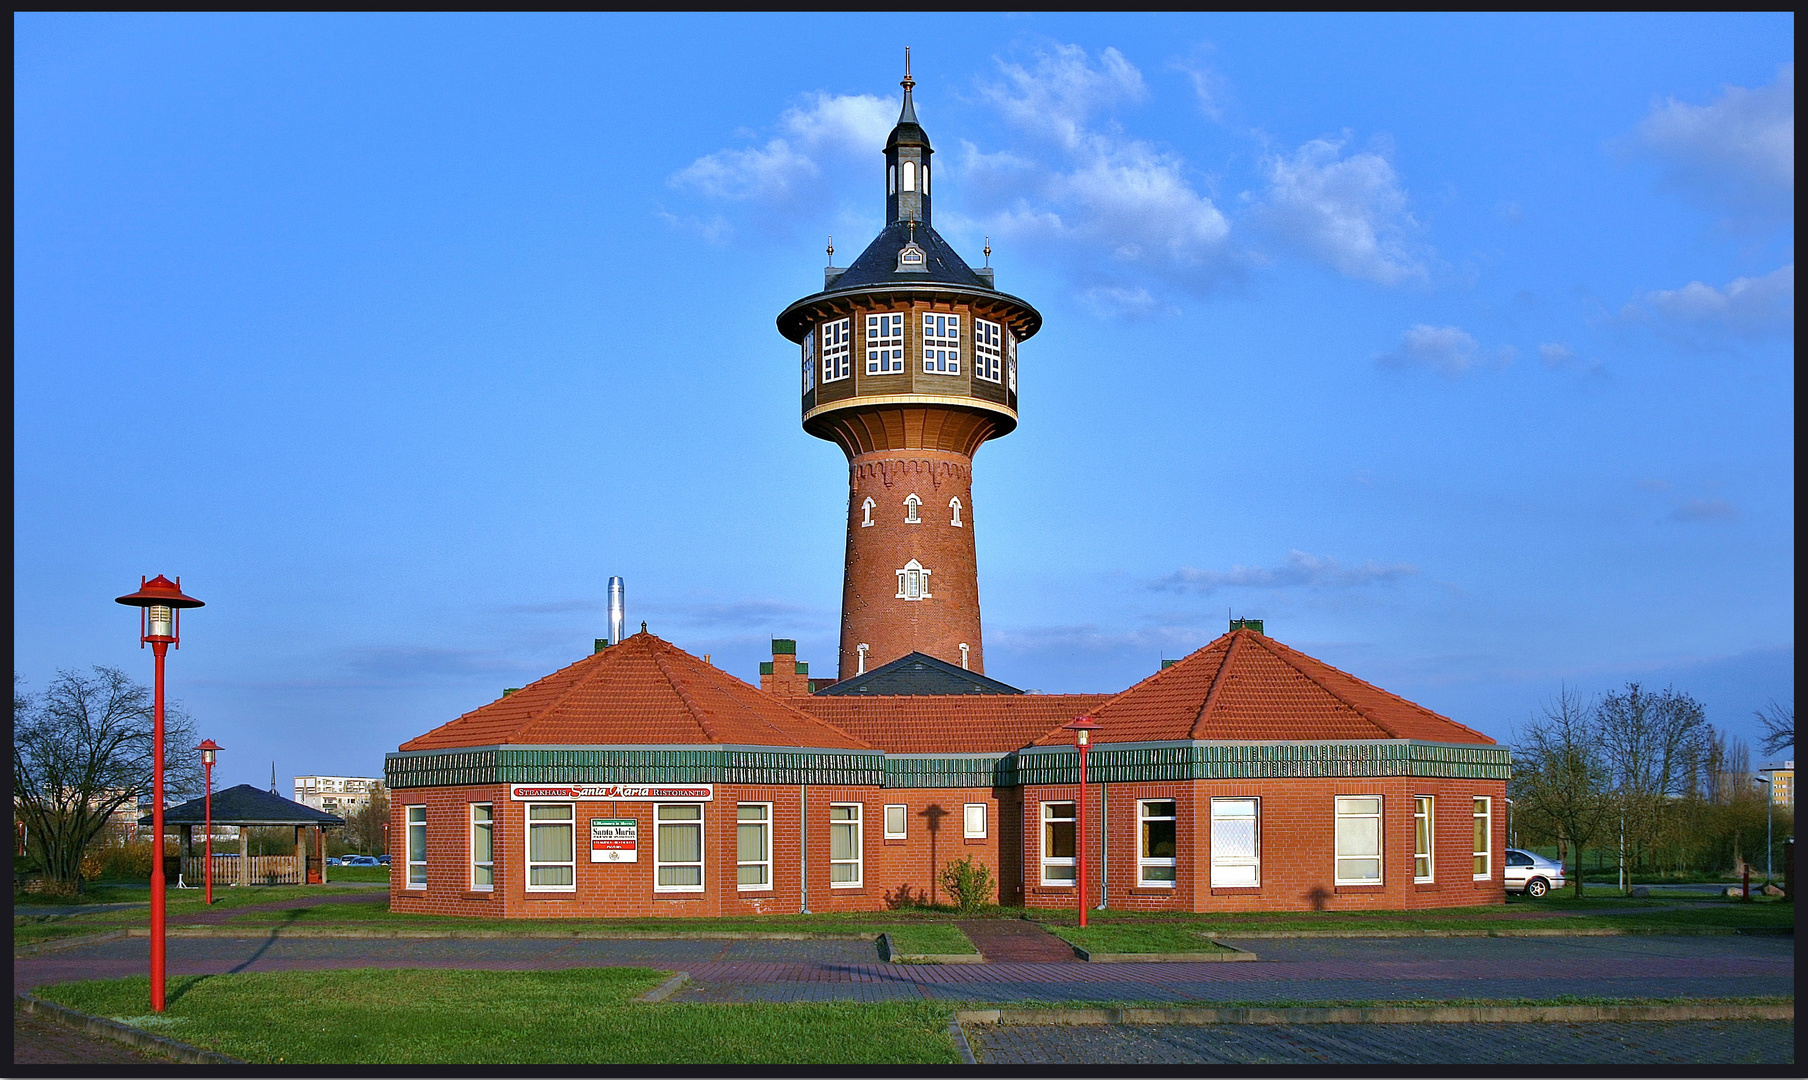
(642, 780)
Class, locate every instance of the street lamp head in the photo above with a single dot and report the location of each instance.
(209, 751)
(1082, 726)
(160, 599)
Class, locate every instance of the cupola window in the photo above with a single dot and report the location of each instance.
(866, 514)
(1010, 361)
(941, 344)
(911, 258)
(836, 349)
(910, 176)
(925, 178)
(988, 349)
(884, 344)
(809, 361)
(911, 506)
(891, 179)
(913, 582)
(954, 504)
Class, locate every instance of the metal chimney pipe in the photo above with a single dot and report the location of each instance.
(618, 610)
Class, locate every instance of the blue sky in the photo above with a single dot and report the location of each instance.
(1458, 349)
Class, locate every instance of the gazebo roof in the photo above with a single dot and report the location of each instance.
(246, 805)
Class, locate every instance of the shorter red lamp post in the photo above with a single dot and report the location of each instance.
(208, 749)
(1082, 727)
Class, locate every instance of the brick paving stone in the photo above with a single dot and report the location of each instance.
(1015, 941)
(1696, 1042)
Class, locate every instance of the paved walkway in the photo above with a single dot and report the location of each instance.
(1301, 970)
(37, 1041)
(1015, 941)
(1625, 1045)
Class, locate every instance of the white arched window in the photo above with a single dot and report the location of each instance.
(891, 179)
(913, 582)
(911, 506)
(910, 176)
(955, 505)
(866, 514)
(925, 178)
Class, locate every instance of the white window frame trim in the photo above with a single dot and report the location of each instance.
(954, 504)
(471, 846)
(985, 821)
(1431, 839)
(924, 338)
(866, 513)
(840, 354)
(913, 509)
(885, 824)
(885, 342)
(702, 863)
(1043, 859)
(408, 852)
(922, 581)
(1487, 852)
(986, 357)
(1380, 856)
(527, 848)
(859, 859)
(1216, 863)
(1145, 861)
(765, 825)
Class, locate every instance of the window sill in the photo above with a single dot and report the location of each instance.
(479, 894)
(668, 891)
(543, 891)
(1426, 886)
(1054, 887)
(1236, 890)
(849, 890)
(973, 839)
(416, 888)
(894, 841)
(1486, 883)
(753, 888)
(1374, 886)
(1164, 886)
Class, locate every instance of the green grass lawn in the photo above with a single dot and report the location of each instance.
(357, 873)
(580, 1016)
(1139, 937)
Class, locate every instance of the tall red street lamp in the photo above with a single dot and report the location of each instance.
(160, 602)
(209, 749)
(1082, 727)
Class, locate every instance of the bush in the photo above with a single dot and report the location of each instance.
(970, 883)
(118, 862)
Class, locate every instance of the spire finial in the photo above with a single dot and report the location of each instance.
(908, 81)
(908, 114)
(988, 251)
(831, 251)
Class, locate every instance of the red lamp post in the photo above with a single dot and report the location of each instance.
(160, 602)
(208, 749)
(1082, 727)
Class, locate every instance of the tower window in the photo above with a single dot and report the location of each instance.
(866, 514)
(941, 344)
(925, 178)
(954, 504)
(1010, 361)
(910, 176)
(836, 348)
(988, 342)
(891, 179)
(809, 361)
(911, 505)
(913, 582)
(884, 344)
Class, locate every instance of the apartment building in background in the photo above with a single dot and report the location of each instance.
(342, 795)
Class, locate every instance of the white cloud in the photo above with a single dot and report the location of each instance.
(1555, 355)
(1705, 510)
(1301, 570)
(1063, 89)
(1208, 84)
(1738, 148)
(1747, 307)
(1447, 350)
(788, 169)
(1350, 212)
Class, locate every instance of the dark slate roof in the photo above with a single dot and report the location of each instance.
(918, 674)
(246, 805)
(878, 264)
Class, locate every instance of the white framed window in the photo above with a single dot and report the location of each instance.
(895, 816)
(1358, 840)
(1484, 862)
(925, 178)
(913, 582)
(837, 346)
(1423, 865)
(677, 847)
(1057, 843)
(809, 361)
(941, 344)
(912, 506)
(885, 343)
(866, 514)
(483, 847)
(891, 179)
(753, 847)
(551, 848)
(910, 176)
(1236, 843)
(417, 847)
(1155, 848)
(1010, 361)
(954, 505)
(988, 349)
(845, 862)
(973, 821)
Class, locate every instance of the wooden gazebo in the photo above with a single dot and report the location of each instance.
(248, 807)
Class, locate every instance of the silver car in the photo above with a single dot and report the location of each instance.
(1532, 874)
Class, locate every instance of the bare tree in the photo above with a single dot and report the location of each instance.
(364, 826)
(1654, 746)
(1779, 725)
(1560, 776)
(81, 753)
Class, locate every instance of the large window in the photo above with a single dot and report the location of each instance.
(1359, 840)
(1010, 361)
(1423, 819)
(973, 821)
(483, 847)
(988, 349)
(677, 847)
(417, 847)
(913, 582)
(836, 348)
(941, 344)
(845, 870)
(895, 821)
(1155, 853)
(1236, 843)
(884, 344)
(1483, 837)
(809, 361)
(753, 846)
(1057, 843)
(551, 848)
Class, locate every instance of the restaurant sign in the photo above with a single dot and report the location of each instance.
(610, 792)
(614, 840)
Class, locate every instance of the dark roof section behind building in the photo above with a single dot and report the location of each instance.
(878, 264)
(246, 805)
(915, 675)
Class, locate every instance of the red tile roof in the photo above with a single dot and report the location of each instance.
(643, 690)
(949, 723)
(1246, 686)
